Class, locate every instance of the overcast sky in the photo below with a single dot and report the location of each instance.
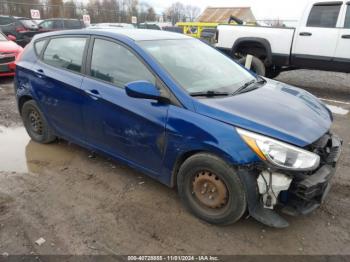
(262, 9)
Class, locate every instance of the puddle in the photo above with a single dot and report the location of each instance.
(13, 142)
(338, 110)
(18, 153)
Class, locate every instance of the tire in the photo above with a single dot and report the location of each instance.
(273, 72)
(215, 211)
(257, 67)
(36, 124)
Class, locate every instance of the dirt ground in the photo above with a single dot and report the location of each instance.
(85, 205)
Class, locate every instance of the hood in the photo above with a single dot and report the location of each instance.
(9, 46)
(276, 110)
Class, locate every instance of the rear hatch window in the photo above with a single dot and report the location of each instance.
(29, 24)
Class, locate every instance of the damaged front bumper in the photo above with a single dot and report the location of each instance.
(306, 192)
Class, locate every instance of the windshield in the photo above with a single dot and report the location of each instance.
(198, 67)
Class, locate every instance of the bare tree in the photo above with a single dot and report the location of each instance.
(69, 9)
(151, 14)
(143, 12)
(192, 12)
(175, 13)
(56, 9)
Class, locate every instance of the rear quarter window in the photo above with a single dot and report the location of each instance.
(38, 46)
(66, 53)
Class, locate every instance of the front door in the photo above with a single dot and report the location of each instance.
(129, 128)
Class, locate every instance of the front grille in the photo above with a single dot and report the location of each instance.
(6, 60)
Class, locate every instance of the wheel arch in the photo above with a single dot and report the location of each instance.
(259, 47)
(186, 155)
(22, 100)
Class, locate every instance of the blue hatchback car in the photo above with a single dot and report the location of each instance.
(185, 114)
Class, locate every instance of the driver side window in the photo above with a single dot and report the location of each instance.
(114, 63)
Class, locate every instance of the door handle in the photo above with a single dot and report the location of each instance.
(345, 36)
(40, 73)
(93, 93)
(305, 34)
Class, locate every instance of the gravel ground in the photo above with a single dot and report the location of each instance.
(85, 205)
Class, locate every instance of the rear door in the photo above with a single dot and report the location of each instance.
(57, 84)
(132, 129)
(316, 39)
(342, 54)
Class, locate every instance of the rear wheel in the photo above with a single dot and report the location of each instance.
(257, 66)
(35, 123)
(211, 189)
(273, 71)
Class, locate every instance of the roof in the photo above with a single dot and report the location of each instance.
(133, 34)
(222, 14)
(59, 19)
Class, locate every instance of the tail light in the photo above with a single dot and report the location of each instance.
(19, 55)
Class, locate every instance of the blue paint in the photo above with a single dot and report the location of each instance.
(152, 135)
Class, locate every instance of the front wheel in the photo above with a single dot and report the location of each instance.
(211, 189)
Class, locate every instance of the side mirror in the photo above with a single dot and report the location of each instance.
(11, 38)
(142, 89)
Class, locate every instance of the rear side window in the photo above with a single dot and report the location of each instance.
(65, 52)
(72, 24)
(324, 16)
(347, 18)
(57, 24)
(39, 45)
(114, 63)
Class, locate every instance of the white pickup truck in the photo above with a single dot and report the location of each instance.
(321, 41)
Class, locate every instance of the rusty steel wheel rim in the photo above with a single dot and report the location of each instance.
(36, 122)
(209, 190)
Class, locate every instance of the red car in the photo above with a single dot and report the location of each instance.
(9, 51)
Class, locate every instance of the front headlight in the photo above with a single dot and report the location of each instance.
(280, 154)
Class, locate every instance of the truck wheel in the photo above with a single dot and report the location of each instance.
(257, 67)
(211, 189)
(273, 72)
(35, 123)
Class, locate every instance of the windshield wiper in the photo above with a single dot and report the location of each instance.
(209, 93)
(249, 86)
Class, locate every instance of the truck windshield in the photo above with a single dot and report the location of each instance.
(197, 67)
